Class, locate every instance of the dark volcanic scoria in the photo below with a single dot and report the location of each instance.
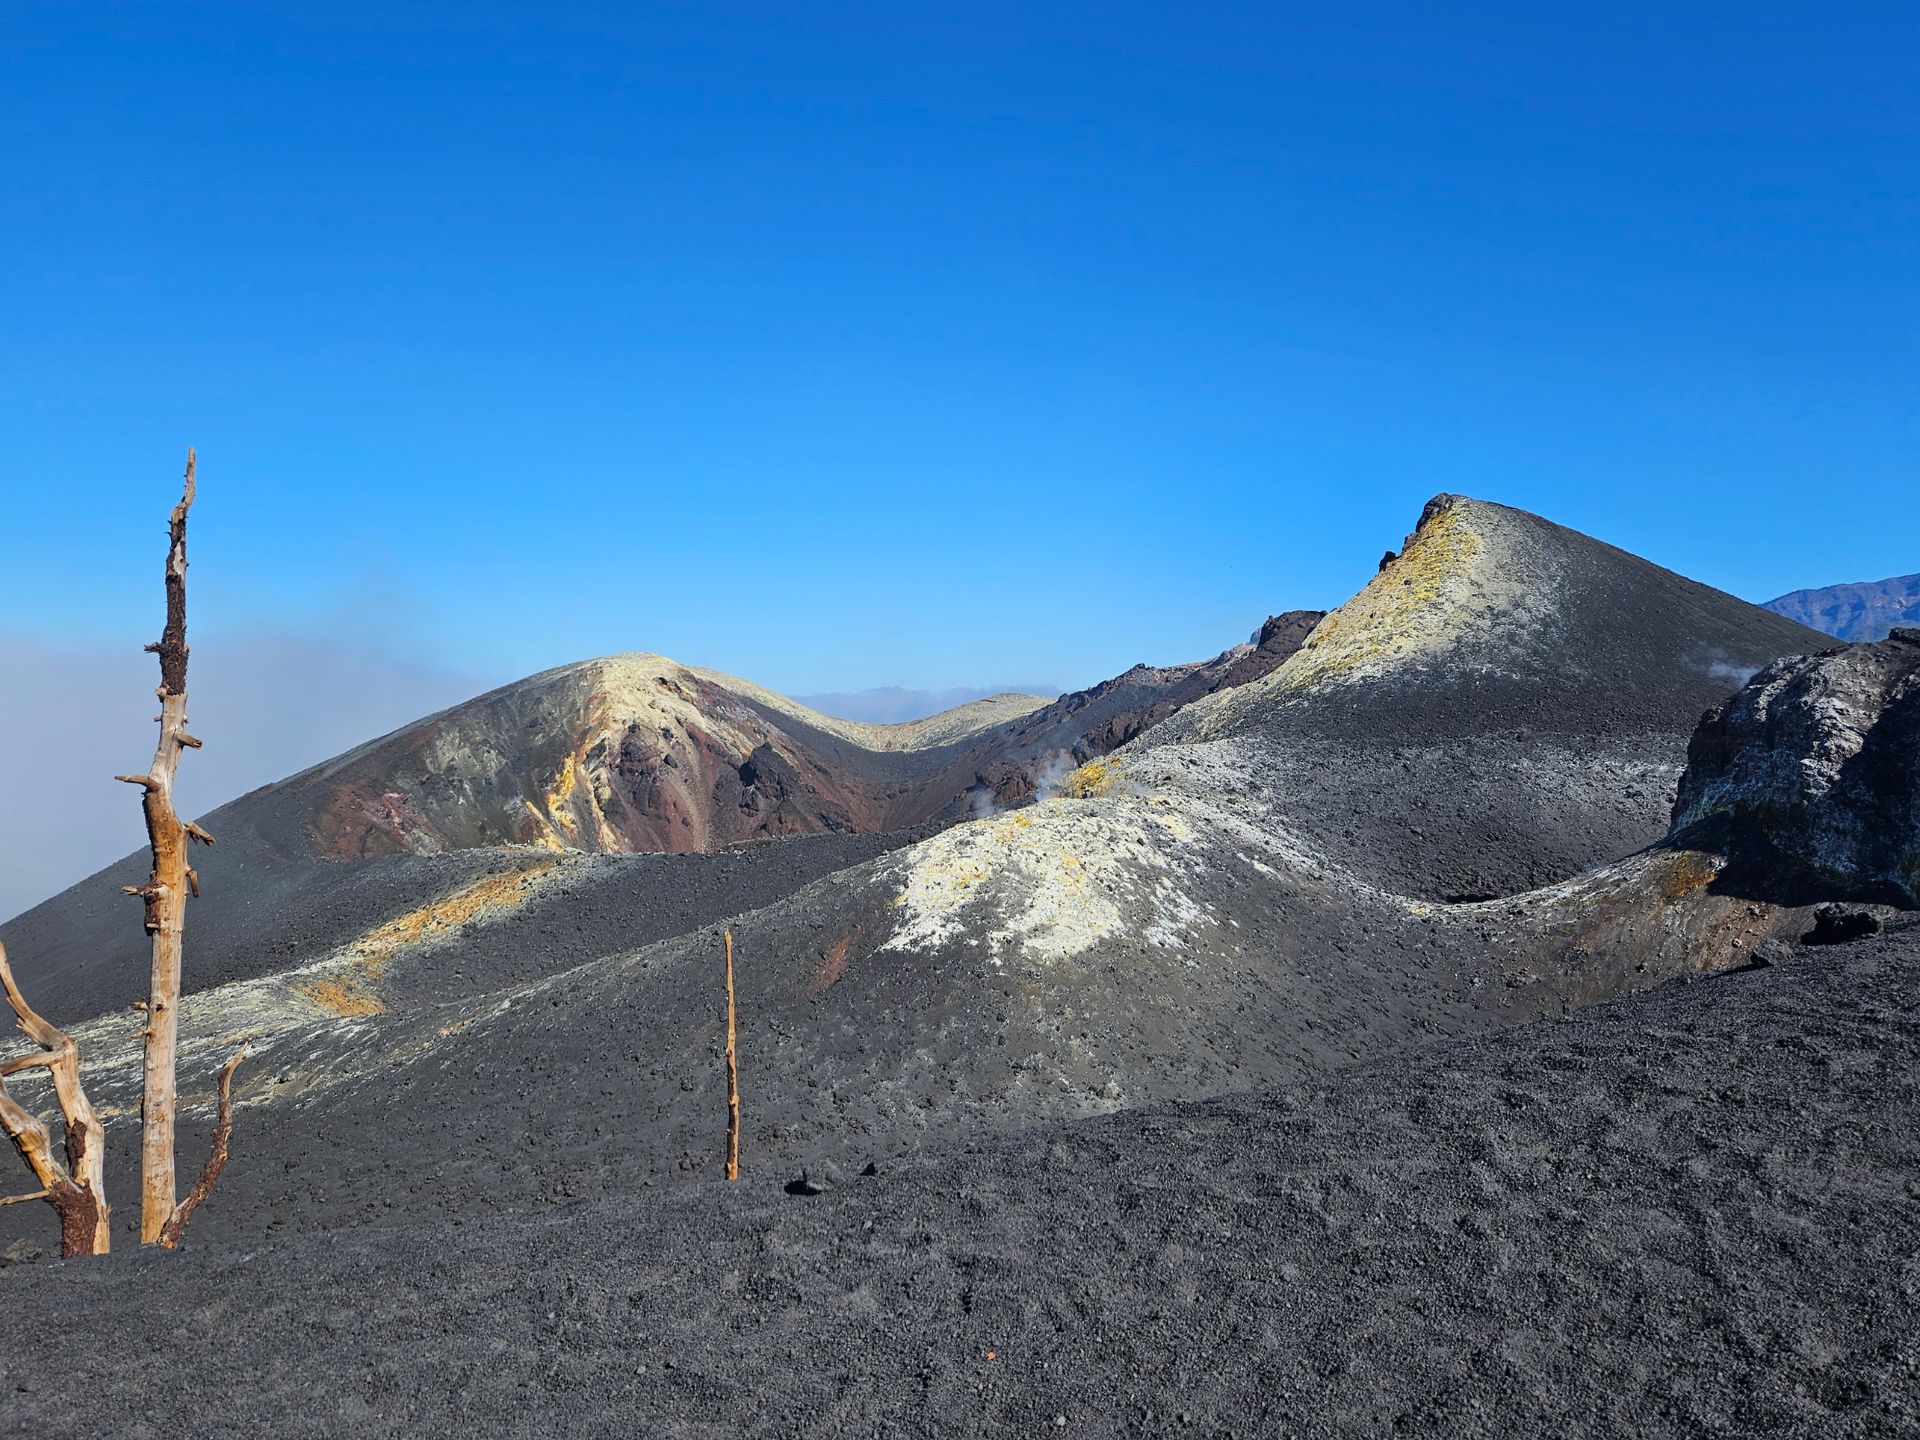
(1330, 1037)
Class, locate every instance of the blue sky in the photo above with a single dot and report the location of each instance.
(849, 345)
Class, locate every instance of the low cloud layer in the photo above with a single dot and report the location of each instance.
(267, 702)
(890, 705)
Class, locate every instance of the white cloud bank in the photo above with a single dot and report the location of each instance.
(267, 702)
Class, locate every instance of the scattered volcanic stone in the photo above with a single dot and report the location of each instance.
(807, 1183)
(1837, 924)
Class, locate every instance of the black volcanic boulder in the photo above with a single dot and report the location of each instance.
(1820, 755)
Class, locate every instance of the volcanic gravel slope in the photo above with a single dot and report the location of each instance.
(638, 753)
(1690, 1212)
(1506, 704)
(629, 755)
(528, 1028)
(470, 1067)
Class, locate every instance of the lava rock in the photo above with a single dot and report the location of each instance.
(1821, 755)
(817, 1180)
(1837, 924)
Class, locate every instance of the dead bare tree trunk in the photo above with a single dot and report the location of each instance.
(165, 892)
(176, 1225)
(77, 1190)
(733, 1075)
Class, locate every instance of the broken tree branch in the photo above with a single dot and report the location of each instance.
(165, 892)
(733, 1075)
(216, 1156)
(76, 1190)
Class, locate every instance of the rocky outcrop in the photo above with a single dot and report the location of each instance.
(1867, 611)
(1818, 759)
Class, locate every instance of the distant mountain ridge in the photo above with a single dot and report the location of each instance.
(895, 704)
(1866, 610)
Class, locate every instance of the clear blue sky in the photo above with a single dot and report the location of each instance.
(845, 345)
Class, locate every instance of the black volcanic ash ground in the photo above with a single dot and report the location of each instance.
(1342, 1152)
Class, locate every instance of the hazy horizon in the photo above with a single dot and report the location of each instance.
(879, 347)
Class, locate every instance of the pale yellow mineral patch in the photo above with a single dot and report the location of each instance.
(1051, 881)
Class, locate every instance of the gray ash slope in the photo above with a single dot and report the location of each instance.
(1179, 922)
(1691, 1212)
(1506, 704)
(305, 865)
(262, 912)
(1345, 1194)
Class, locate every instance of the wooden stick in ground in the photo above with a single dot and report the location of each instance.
(733, 1075)
(165, 892)
(176, 1224)
(77, 1190)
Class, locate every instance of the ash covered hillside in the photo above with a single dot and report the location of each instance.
(1303, 912)
(628, 755)
(1506, 704)
(1863, 611)
(1259, 888)
(637, 753)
